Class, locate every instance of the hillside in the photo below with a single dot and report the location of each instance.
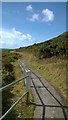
(53, 47)
(11, 72)
(49, 60)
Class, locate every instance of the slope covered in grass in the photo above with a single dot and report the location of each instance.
(49, 59)
(53, 70)
(12, 72)
(54, 47)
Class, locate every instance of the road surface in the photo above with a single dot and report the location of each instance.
(48, 102)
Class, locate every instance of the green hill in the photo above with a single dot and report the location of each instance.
(49, 60)
(53, 47)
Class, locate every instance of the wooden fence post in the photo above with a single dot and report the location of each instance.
(28, 84)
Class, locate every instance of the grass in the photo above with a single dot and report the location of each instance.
(17, 70)
(53, 70)
(22, 110)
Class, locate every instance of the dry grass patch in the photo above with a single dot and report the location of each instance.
(17, 91)
(52, 69)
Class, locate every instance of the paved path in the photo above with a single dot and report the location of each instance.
(43, 97)
(47, 98)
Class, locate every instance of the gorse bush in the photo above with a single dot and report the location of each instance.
(54, 47)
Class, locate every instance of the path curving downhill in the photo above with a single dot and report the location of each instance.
(48, 102)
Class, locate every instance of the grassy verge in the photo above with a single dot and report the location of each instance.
(52, 69)
(12, 72)
(22, 110)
